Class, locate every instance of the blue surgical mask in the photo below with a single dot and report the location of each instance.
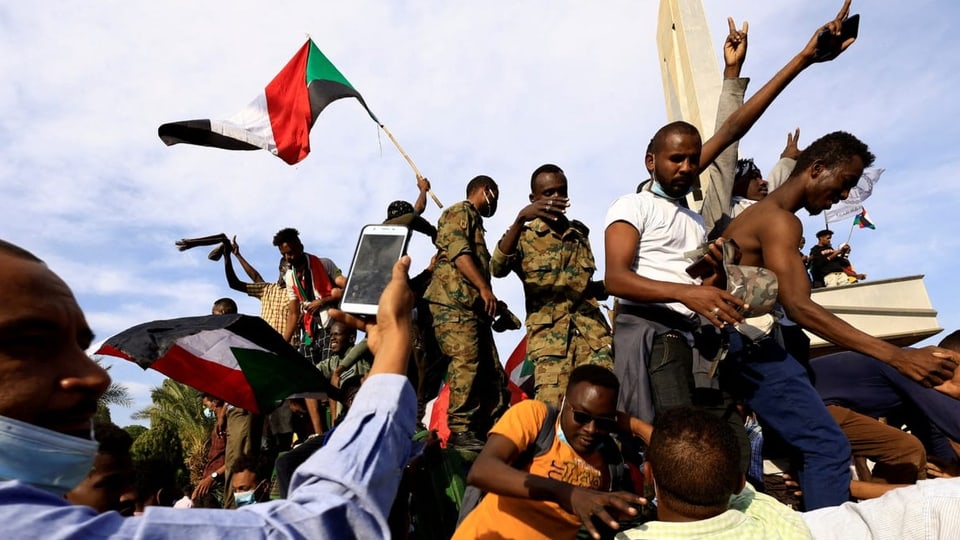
(208, 414)
(44, 458)
(244, 498)
(657, 189)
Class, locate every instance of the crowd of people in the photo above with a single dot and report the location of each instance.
(694, 411)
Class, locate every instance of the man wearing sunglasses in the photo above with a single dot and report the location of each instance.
(562, 486)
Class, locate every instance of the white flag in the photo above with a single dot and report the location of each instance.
(854, 202)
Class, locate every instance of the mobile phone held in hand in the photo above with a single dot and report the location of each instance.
(378, 250)
(828, 43)
(700, 267)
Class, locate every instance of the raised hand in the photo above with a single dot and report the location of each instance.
(735, 48)
(423, 184)
(829, 47)
(548, 209)
(792, 149)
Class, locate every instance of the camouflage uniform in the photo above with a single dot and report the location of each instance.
(565, 327)
(358, 356)
(478, 389)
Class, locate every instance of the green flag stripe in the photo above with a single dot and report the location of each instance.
(273, 378)
(320, 68)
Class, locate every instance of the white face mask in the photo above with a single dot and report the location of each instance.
(43, 458)
(488, 211)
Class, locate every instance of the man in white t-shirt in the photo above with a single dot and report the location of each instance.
(647, 236)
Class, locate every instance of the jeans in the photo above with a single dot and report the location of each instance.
(776, 386)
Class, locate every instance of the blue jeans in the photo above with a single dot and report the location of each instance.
(776, 386)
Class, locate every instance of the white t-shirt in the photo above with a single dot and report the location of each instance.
(739, 204)
(667, 231)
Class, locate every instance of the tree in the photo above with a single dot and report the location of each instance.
(116, 394)
(178, 405)
(135, 431)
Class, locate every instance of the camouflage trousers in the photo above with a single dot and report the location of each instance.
(478, 386)
(244, 437)
(551, 373)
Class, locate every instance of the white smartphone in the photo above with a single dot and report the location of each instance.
(379, 248)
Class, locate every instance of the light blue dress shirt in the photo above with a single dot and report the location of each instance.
(345, 490)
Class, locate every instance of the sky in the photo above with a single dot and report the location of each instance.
(467, 88)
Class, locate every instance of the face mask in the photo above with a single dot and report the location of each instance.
(560, 434)
(658, 190)
(244, 498)
(488, 210)
(208, 414)
(43, 458)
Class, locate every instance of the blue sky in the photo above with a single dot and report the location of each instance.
(467, 89)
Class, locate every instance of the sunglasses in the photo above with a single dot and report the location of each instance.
(602, 423)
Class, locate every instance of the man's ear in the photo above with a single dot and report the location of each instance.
(530, 197)
(740, 484)
(648, 473)
(650, 160)
(817, 169)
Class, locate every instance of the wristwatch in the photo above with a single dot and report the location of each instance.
(214, 475)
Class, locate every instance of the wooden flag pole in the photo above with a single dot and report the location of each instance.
(410, 161)
(852, 225)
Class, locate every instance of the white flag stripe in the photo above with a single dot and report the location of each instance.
(214, 346)
(251, 124)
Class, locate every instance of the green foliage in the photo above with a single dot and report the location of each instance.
(135, 431)
(159, 442)
(116, 394)
(178, 405)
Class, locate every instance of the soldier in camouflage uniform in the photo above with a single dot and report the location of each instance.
(552, 257)
(463, 305)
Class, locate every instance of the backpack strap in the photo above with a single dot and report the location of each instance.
(541, 445)
(472, 495)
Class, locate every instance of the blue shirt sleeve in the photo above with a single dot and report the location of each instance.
(344, 490)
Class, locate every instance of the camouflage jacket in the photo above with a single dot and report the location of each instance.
(459, 233)
(556, 272)
(358, 356)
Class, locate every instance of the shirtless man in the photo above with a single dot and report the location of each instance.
(768, 234)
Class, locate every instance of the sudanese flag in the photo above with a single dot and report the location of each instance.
(279, 120)
(237, 358)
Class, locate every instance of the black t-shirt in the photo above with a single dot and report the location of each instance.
(821, 266)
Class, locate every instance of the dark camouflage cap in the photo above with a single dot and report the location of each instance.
(399, 208)
(746, 168)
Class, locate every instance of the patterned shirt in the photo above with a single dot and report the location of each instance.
(751, 515)
(273, 303)
(556, 270)
(459, 233)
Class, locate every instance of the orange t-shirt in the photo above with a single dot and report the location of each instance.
(508, 517)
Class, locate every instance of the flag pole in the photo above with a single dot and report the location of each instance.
(410, 161)
(849, 236)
